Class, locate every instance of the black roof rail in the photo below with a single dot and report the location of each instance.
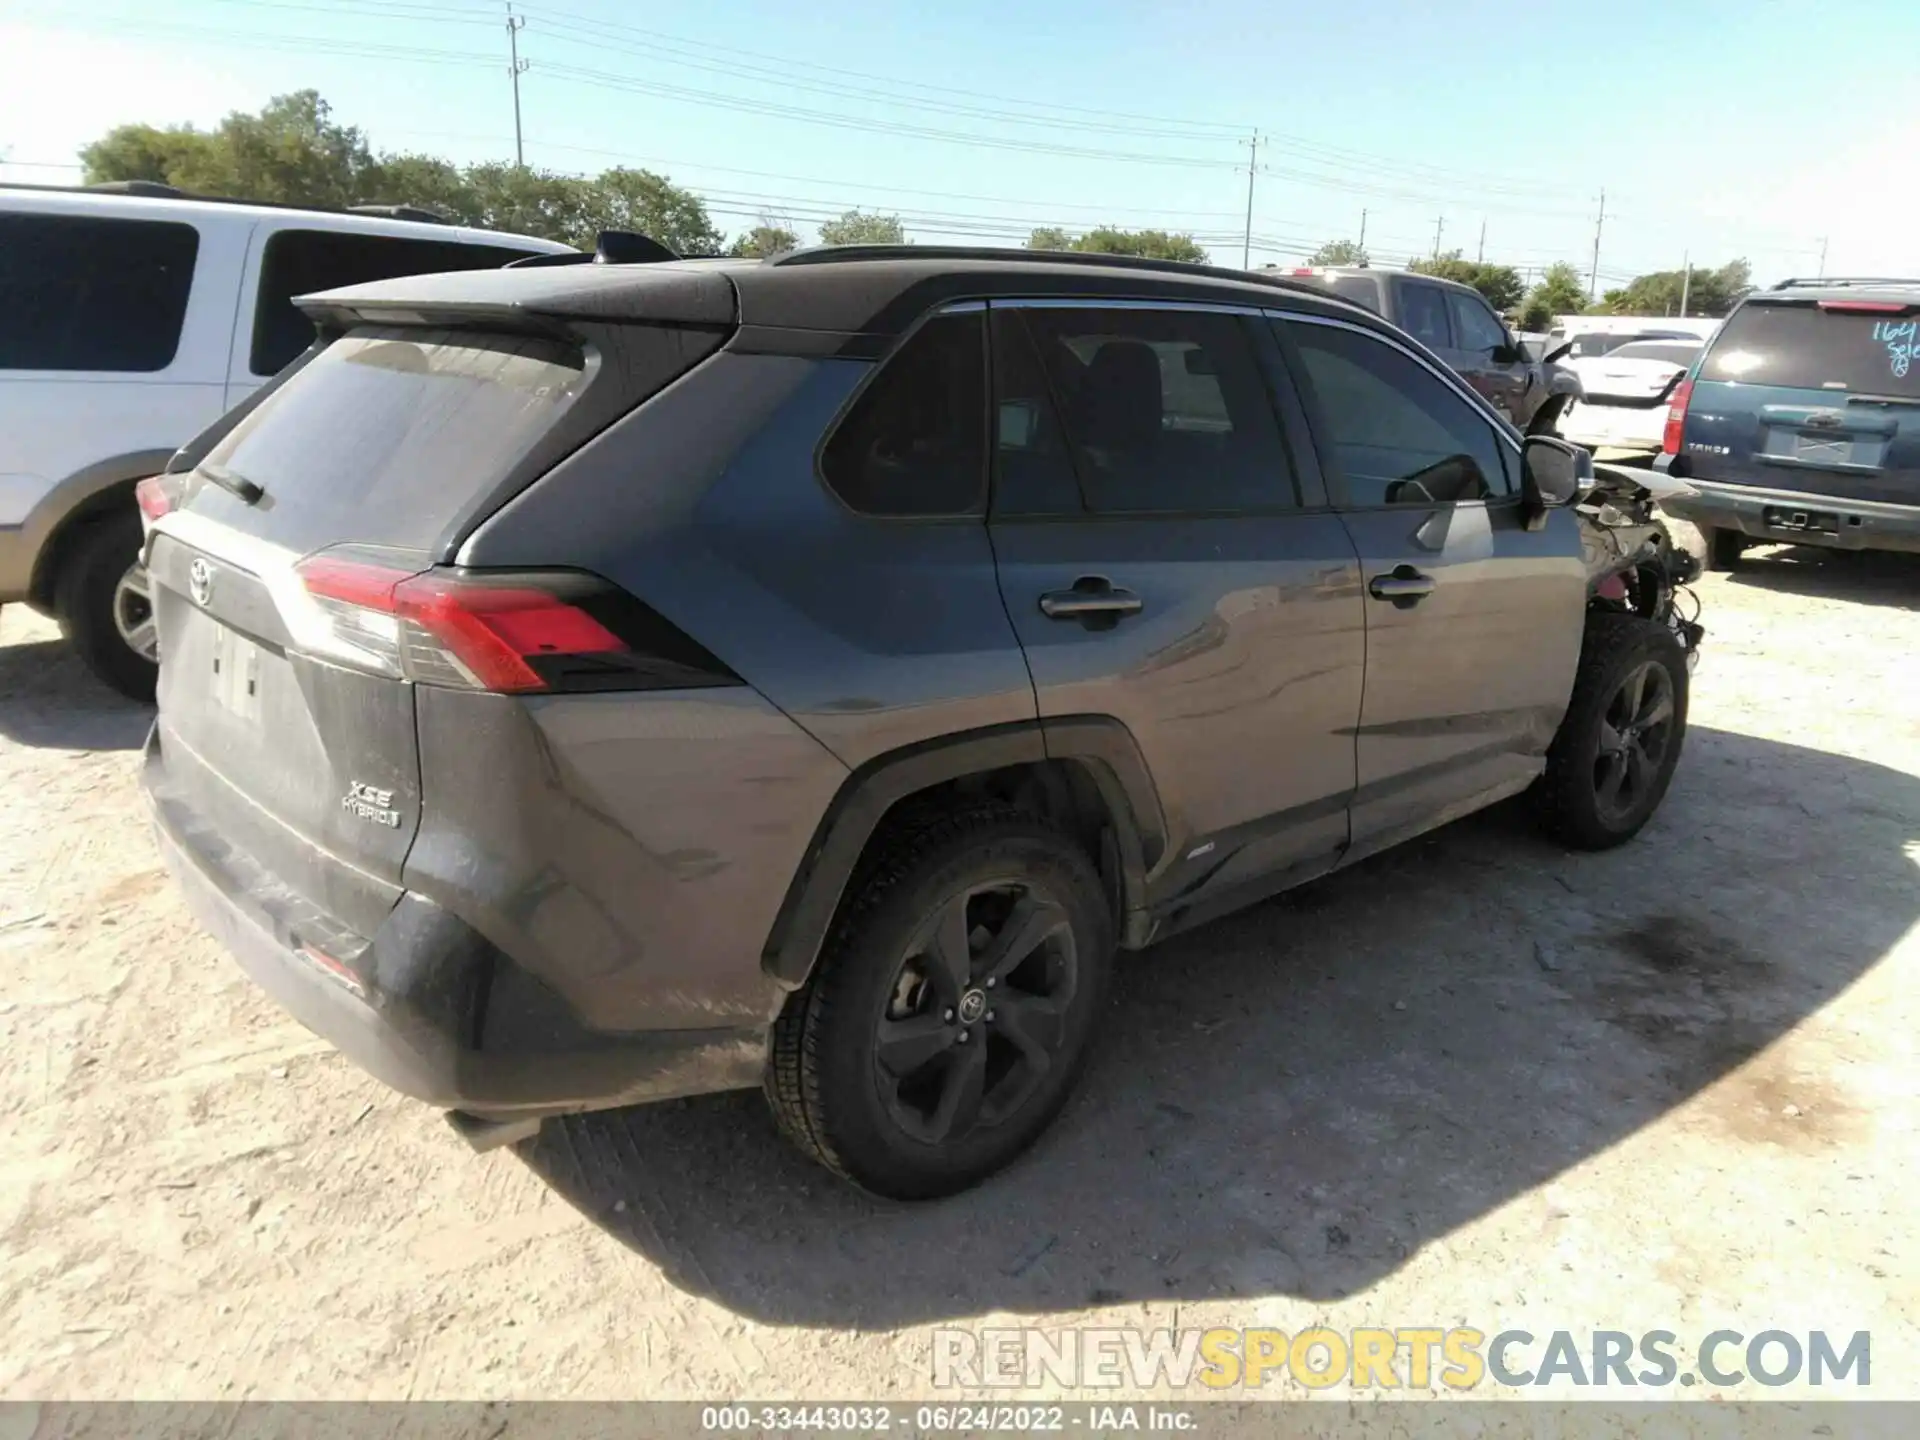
(1840, 282)
(1005, 255)
(150, 189)
(401, 212)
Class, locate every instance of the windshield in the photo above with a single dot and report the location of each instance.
(1812, 349)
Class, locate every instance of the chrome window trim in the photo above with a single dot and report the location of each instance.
(1501, 429)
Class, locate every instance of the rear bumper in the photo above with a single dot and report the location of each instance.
(410, 1004)
(1792, 517)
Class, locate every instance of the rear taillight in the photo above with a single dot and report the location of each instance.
(1865, 307)
(1676, 417)
(156, 496)
(489, 630)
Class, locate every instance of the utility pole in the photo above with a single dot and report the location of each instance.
(1439, 224)
(1593, 277)
(1363, 230)
(516, 67)
(1246, 241)
(1823, 257)
(1686, 282)
(1481, 258)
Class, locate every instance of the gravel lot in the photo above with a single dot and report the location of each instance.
(1476, 1081)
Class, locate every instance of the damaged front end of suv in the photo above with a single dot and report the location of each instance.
(1633, 566)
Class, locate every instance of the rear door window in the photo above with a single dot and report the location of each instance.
(300, 262)
(387, 432)
(78, 293)
(1805, 348)
(1165, 411)
(1423, 314)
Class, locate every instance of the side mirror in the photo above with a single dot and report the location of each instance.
(1507, 353)
(1552, 474)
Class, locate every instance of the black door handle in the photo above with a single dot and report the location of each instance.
(1404, 587)
(1093, 599)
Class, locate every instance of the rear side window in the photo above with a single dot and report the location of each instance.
(1164, 410)
(299, 262)
(387, 431)
(1423, 314)
(1805, 348)
(915, 442)
(1399, 435)
(86, 294)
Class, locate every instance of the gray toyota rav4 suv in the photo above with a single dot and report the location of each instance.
(590, 684)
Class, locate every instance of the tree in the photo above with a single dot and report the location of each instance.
(1339, 252)
(765, 240)
(1049, 237)
(623, 199)
(857, 227)
(294, 153)
(1711, 292)
(1560, 292)
(1147, 244)
(291, 152)
(1501, 284)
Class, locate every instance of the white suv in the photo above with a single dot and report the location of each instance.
(131, 318)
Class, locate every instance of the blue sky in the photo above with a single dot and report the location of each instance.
(1715, 128)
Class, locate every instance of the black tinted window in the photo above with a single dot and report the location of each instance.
(81, 294)
(1474, 326)
(1423, 314)
(1812, 349)
(1164, 410)
(915, 441)
(299, 262)
(1398, 434)
(1671, 352)
(1033, 465)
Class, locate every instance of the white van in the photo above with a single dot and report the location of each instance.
(131, 318)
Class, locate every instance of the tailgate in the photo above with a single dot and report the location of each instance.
(311, 769)
(1818, 399)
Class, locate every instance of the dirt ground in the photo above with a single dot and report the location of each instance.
(1478, 1081)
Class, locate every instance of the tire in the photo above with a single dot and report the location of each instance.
(1614, 756)
(1724, 548)
(87, 593)
(867, 1073)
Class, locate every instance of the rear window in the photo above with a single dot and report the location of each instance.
(1360, 289)
(386, 433)
(300, 262)
(85, 294)
(1669, 351)
(1585, 347)
(1804, 348)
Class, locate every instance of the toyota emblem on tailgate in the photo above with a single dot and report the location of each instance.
(200, 582)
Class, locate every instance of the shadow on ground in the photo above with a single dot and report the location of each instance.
(1294, 1100)
(1868, 578)
(48, 700)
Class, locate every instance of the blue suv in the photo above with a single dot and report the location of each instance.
(1801, 424)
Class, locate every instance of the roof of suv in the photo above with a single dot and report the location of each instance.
(1868, 288)
(871, 291)
(1380, 272)
(203, 210)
